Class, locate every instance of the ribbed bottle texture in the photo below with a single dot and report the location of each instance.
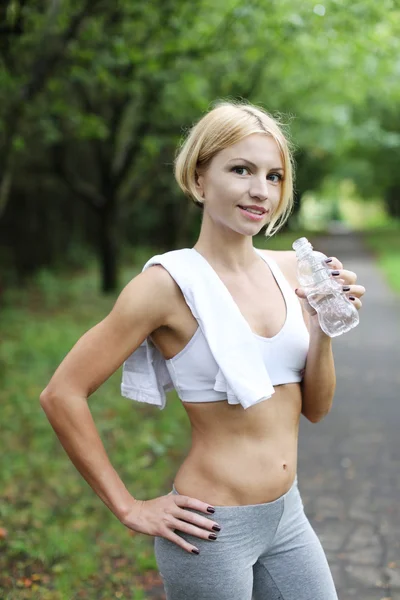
(335, 311)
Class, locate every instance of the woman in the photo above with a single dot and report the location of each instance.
(233, 526)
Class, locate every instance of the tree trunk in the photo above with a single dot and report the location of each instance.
(108, 247)
(392, 200)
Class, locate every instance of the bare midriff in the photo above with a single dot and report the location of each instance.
(238, 456)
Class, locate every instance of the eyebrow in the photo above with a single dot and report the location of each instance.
(254, 165)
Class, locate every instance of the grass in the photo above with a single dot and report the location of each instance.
(385, 245)
(57, 540)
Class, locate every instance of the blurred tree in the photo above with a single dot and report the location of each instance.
(32, 46)
(97, 95)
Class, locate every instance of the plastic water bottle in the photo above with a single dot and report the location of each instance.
(336, 313)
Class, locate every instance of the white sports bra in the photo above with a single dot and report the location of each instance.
(193, 370)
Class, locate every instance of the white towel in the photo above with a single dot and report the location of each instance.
(242, 374)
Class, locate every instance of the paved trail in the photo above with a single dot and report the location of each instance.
(349, 463)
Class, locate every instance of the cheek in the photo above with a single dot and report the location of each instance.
(275, 195)
(221, 193)
(233, 190)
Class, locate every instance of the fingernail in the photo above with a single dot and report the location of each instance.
(210, 509)
(335, 273)
(216, 528)
(212, 536)
(195, 551)
(328, 260)
(346, 288)
(351, 298)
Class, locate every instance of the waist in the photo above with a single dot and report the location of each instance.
(242, 456)
(240, 473)
(292, 491)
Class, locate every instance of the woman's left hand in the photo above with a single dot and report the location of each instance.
(346, 278)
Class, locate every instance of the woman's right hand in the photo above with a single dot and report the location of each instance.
(161, 516)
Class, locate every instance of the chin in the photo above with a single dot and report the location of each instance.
(251, 231)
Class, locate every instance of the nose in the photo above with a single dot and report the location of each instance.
(259, 189)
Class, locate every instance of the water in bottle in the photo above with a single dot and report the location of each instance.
(336, 313)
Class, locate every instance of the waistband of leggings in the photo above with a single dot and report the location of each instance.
(286, 496)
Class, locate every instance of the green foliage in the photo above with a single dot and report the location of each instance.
(96, 96)
(385, 243)
(57, 529)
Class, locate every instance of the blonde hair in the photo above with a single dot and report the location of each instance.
(226, 124)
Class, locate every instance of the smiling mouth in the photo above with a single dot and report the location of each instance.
(254, 211)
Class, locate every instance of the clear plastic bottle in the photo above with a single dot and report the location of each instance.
(335, 311)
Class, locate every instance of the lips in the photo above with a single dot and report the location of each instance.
(259, 209)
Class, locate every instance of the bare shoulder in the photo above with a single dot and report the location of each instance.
(145, 304)
(153, 292)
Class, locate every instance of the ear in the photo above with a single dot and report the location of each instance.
(199, 182)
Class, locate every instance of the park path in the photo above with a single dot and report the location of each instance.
(349, 463)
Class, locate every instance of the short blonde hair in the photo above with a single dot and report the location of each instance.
(226, 124)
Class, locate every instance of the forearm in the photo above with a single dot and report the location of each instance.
(319, 381)
(72, 421)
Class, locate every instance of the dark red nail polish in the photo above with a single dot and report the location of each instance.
(210, 509)
(195, 551)
(216, 528)
(212, 536)
(351, 297)
(328, 260)
(346, 288)
(335, 273)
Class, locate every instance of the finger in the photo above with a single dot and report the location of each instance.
(333, 263)
(198, 520)
(348, 277)
(179, 541)
(190, 529)
(357, 303)
(354, 290)
(300, 293)
(188, 502)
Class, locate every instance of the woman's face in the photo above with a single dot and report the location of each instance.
(248, 173)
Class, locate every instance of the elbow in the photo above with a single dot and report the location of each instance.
(316, 417)
(43, 398)
(55, 398)
(49, 398)
(46, 399)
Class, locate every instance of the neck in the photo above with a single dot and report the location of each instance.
(226, 250)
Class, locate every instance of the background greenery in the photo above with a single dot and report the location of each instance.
(94, 98)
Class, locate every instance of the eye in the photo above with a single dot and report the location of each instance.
(277, 177)
(238, 168)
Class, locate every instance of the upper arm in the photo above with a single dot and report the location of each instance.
(143, 306)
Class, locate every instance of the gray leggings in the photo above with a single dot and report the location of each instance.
(263, 552)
